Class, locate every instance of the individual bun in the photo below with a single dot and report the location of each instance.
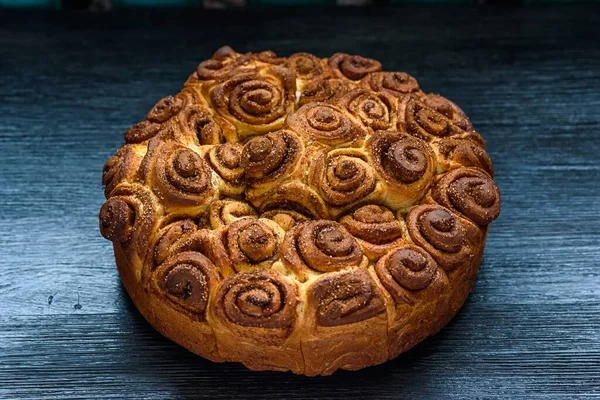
(405, 165)
(255, 100)
(178, 175)
(471, 193)
(299, 213)
(375, 110)
(376, 228)
(351, 67)
(320, 246)
(328, 125)
(323, 91)
(397, 84)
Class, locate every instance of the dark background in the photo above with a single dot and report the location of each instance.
(71, 83)
(106, 5)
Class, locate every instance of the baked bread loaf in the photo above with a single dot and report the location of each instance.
(299, 213)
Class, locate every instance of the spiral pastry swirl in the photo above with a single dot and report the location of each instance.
(165, 109)
(255, 101)
(122, 167)
(302, 213)
(400, 158)
(269, 57)
(352, 67)
(323, 91)
(419, 120)
(405, 164)
(260, 298)
(376, 111)
(141, 132)
(409, 268)
(470, 192)
(222, 62)
(226, 212)
(198, 241)
(169, 237)
(199, 126)
(173, 238)
(129, 217)
(226, 161)
(454, 153)
(307, 67)
(320, 245)
(192, 95)
(376, 228)
(187, 280)
(286, 219)
(441, 234)
(475, 138)
(343, 176)
(247, 243)
(117, 220)
(344, 298)
(326, 124)
(177, 174)
(212, 69)
(269, 158)
(449, 110)
(293, 195)
(397, 84)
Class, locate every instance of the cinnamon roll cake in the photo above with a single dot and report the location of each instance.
(302, 213)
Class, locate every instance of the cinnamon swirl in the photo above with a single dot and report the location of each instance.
(299, 213)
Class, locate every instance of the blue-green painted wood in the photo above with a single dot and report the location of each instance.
(70, 84)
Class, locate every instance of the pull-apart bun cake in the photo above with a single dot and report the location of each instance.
(302, 213)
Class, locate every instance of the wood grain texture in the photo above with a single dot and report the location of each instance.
(529, 78)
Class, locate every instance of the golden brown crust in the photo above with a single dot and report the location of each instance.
(397, 84)
(307, 67)
(286, 219)
(456, 153)
(405, 164)
(343, 307)
(449, 110)
(193, 334)
(255, 317)
(351, 67)
(471, 193)
(255, 100)
(320, 245)
(187, 280)
(269, 159)
(247, 243)
(323, 91)
(344, 178)
(120, 168)
(327, 124)
(177, 174)
(416, 118)
(226, 160)
(376, 229)
(375, 110)
(141, 132)
(198, 125)
(226, 212)
(441, 233)
(222, 62)
(130, 217)
(166, 108)
(299, 213)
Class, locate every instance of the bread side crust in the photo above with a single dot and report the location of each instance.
(310, 349)
(299, 214)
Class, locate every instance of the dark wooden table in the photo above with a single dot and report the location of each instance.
(529, 78)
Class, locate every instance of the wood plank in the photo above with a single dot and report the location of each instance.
(529, 78)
